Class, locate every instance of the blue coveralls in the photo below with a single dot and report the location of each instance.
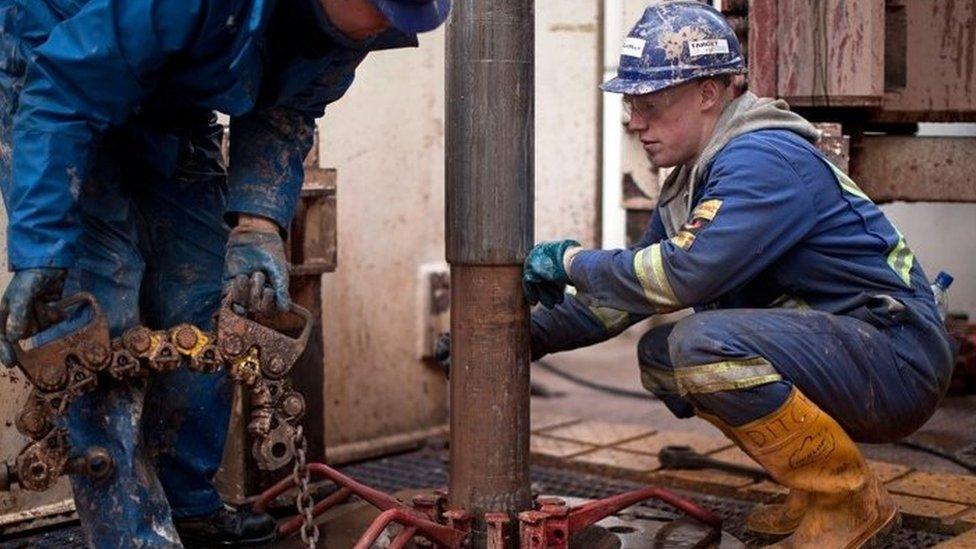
(796, 277)
(110, 167)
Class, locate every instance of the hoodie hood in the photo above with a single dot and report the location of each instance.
(747, 113)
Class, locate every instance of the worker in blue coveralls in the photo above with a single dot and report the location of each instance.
(111, 173)
(814, 325)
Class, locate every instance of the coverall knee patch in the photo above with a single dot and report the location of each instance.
(706, 359)
(652, 349)
(698, 339)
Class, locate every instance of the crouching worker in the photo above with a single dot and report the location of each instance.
(814, 327)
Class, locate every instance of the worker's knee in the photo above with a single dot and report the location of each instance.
(699, 339)
(652, 349)
(657, 374)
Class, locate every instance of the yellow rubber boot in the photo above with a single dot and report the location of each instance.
(775, 520)
(804, 449)
(771, 520)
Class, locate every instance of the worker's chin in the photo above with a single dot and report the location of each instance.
(662, 159)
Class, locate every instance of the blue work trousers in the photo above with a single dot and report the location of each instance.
(152, 253)
(873, 380)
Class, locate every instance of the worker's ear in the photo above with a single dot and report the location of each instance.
(711, 93)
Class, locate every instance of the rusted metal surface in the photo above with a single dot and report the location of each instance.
(908, 60)
(489, 132)
(835, 145)
(257, 355)
(260, 357)
(59, 370)
(489, 392)
(312, 250)
(553, 524)
(68, 361)
(938, 169)
(939, 65)
(549, 524)
(489, 175)
(830, 52)
(763, 44)
(312, 240)
(448, 529)
(308, 373)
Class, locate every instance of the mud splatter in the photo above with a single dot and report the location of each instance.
(74, 182)
(672, 42)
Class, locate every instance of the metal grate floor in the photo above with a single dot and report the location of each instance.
(425, 469)
(429, 469)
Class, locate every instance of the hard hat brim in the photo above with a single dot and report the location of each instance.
(642, 86)
(633, 87)
(414, 18)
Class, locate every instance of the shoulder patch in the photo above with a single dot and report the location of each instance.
(707, 210)
(701, 216)
(684, 239)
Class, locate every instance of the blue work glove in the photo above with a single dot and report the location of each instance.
(544, 278)
(255, 268)
(28, 307)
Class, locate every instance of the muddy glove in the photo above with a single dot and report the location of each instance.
(27, 307)
(544, 277)
(255, 269)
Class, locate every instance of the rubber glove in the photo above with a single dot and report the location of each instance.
(544, 277)
(28, 307)
(255, 268)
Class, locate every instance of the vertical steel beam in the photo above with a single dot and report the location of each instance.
(763, 47)
(489, 170)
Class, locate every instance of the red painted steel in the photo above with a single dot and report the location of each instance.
(763, 47)
(553, 524)
(438, 533)
(549, 526)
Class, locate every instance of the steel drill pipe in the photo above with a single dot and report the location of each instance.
(490, 200)
(489, 132)
(489, 393)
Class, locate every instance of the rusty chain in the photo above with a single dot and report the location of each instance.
(304, 502)
(254, 355)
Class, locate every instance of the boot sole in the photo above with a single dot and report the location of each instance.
(771, 535)
(878, 538)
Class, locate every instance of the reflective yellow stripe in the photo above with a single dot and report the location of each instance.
(848, 184)
(900, 258)
(725, 376)
(649, 266)
(787, 301)
(658, 381)
(707, 210)
(684, 239)
(613, 320)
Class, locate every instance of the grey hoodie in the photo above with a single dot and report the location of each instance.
(747, 113)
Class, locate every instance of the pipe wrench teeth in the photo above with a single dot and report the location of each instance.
(255, 355)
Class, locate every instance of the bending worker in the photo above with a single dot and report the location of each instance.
(815, 326)
(111, 173)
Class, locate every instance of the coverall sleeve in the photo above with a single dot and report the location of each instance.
(268, 146)
(753, 210)
(574, 323)
(86, 77)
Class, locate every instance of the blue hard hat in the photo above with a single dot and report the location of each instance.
(413, 16)
(675, 42)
